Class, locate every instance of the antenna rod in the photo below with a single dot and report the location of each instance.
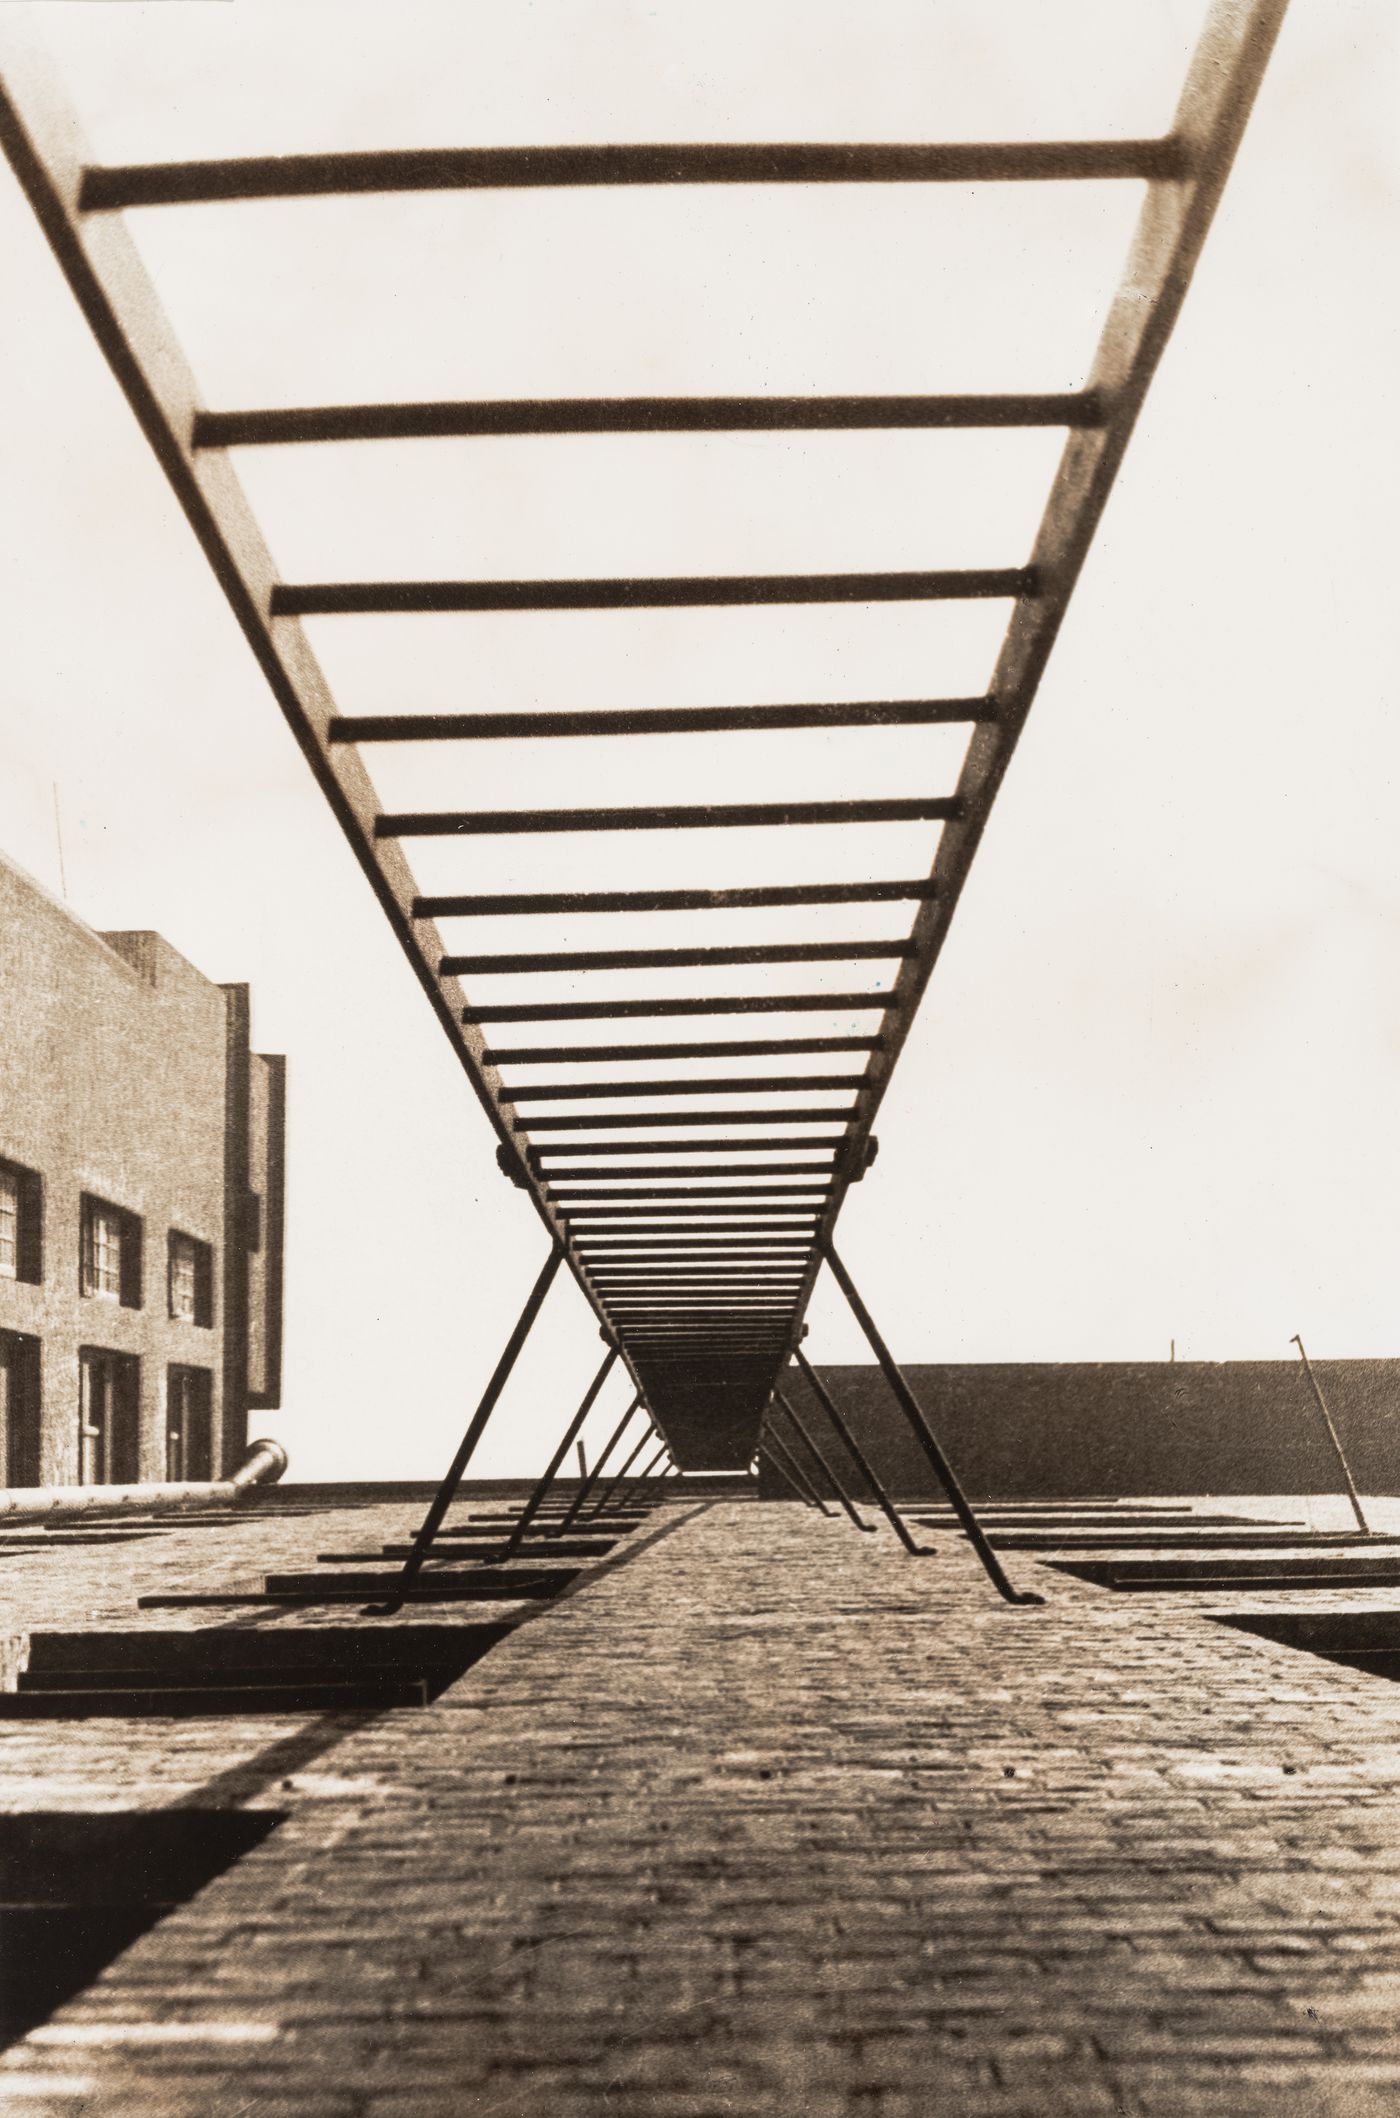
(58, 834)
(1334, 1436)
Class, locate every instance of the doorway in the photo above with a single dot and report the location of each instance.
(109, 1448)
(19, 1408)
(189, 1424)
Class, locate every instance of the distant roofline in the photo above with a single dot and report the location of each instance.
(105, 941)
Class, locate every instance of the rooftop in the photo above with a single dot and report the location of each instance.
(758, 1816)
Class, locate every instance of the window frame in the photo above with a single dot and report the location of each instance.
(129, 1289)
(28, 1190)
(179, 1244)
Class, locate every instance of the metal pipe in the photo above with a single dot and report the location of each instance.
(925, 1436)
(817, 1457)
(671, 1191)
(746, 896)
(1334, 1437)
(109, 189)
(446, 1493)
(670, 1274)
(551, 1471)
(740, 1212)
(708, 1048)
(680, 1085)
(675, 959)
(309, 599)
(714, 1243)
(721, 1269)
(264, 427)
(263, 1466)
(858, 1457)
(620, 1010)
(710, 816)
(668, 1287)
(656, 1172)
(596, 1121)
(638, 1247)
(556, 1150)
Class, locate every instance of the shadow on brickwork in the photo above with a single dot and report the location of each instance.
(77, 1890)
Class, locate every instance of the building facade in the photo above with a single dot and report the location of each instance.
(141, 1206)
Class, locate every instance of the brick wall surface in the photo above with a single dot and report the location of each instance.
(111, 1083)
(1036, 1428)
(114, 1067)
(762, 1818)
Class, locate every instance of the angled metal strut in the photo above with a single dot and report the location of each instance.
(587, 1484)
(857, 1454)
(447, 1491)
(923, 1433)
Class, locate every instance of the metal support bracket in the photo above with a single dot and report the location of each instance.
(926, 1438)
(551, 1471)
(838, 1490)
(447, 1491)
(859, 1458)
(588, 1483)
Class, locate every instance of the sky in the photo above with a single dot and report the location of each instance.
(1151, 1093)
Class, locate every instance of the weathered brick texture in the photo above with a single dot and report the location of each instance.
(768, 1819)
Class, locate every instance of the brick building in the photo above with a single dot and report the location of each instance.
(141, 1190)
(1037, 1430)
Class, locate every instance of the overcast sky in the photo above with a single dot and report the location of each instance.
(1152, 1091)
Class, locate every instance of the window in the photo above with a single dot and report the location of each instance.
(21, 1223)
(19, 1408)
(189, 1424)
(111, 1253)
(109, 1440)
(191, 1279)
(102, 1252)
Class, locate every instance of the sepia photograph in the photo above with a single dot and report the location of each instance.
(699, 1029)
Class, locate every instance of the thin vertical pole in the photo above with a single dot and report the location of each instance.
(447, 1491)
(858, 1456)
(1335, 1438)
(779, 1450)
(817, 1457)
(571, 1433)
(592, 1479)
(926, 1437)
